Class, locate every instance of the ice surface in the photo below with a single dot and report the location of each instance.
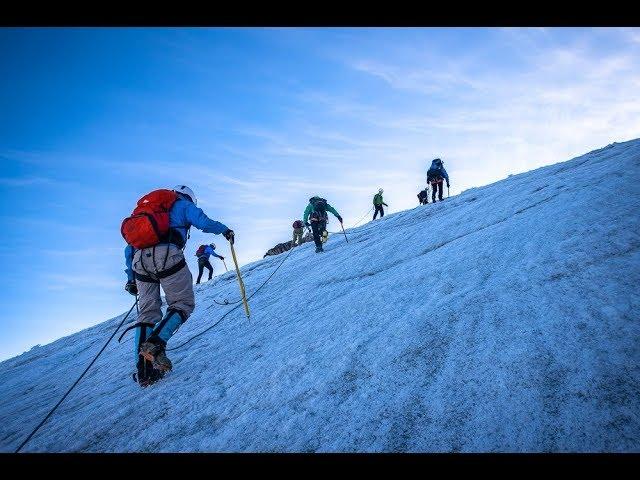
(502, 319)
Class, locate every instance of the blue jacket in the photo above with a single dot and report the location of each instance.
(128, 259)
(182, 216)
(209, 251)
(435, 171)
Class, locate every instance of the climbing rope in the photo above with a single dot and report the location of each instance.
(361, 218)
(227, 302)
(77, 381)
(231, 303)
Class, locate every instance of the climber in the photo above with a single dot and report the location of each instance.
(316, 211)
(156, 234)
(423, 196)
(378, 202)
(298, 232)
(435, 176)
(203, 253)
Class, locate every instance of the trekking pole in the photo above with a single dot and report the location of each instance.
(225, 265)
(345, 233)
(447, 191)
(243, 294)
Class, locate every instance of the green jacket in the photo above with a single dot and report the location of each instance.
(309, 209)
(377, 200)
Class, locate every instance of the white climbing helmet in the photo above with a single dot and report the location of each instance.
(186, 191)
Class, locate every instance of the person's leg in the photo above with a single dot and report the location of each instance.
(210, 268)
(150, 313)
(375, 214)
(324, 235)
(440, 185)
(381, 211)
(200, 270)
(149, 301)
(146, 373)
(317, 232)
(434, 188)
(178, 290)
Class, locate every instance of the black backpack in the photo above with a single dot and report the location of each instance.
(319, 207)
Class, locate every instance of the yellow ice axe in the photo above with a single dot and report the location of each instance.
(240, 282)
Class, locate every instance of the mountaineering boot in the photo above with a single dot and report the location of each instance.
(155, 353)
(146, 374)
(319, 250)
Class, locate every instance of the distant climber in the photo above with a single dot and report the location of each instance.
(435, 176)
(378, 202)
(203, 253)
(423, 196)
(156, 234)
(298, 232)
(284, 246)
(316, 211)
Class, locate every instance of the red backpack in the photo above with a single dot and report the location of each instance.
(200, 250)
(148, 225)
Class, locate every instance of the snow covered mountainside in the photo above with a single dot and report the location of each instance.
(503, 319)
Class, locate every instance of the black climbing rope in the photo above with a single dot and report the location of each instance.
(227, 302)
(361, 218)
(231, 303)
(77, 381)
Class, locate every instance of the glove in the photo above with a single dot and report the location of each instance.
(339, 218)
(131, 287)
(229, 235)
(221, 258)
(447, 185)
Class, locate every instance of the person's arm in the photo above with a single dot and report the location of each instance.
(216, 255)
(305, 216)
(130, 286)
(445, 175)
(334, 211)
(196, 217)
(128, 260)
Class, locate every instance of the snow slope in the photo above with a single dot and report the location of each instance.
(503, 319)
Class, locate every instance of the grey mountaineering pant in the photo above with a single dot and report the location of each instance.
(175, 278)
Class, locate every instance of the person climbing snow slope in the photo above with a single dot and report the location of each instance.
(435, 176)
(203, 253)
(156, 234)
(298, 232)
(423, 196)
(316, 211)
(378, 202)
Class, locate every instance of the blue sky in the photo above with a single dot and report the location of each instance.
(258, 120)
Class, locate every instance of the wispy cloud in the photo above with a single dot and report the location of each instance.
(19, 182)
(62, 281)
